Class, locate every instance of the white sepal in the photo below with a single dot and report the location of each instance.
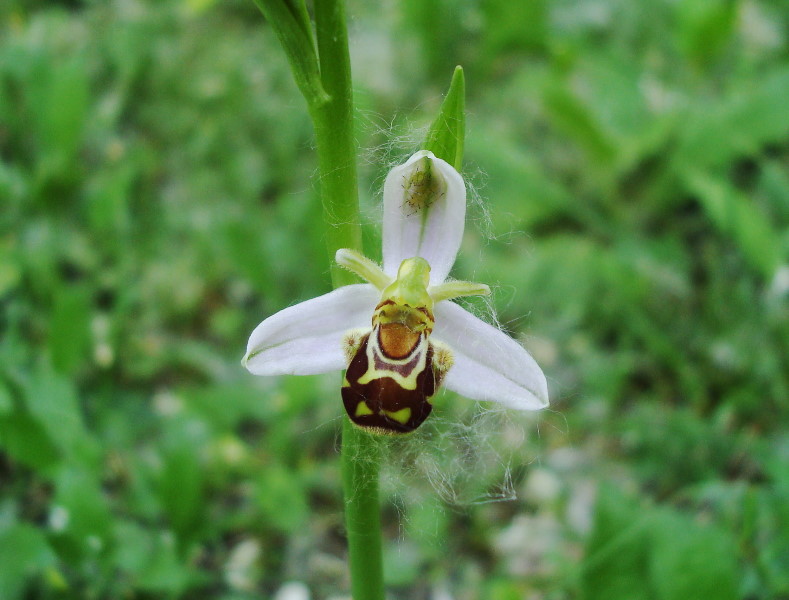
(432, 229)
(307, 338)
(489, 365)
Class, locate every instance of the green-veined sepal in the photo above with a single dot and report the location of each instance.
(424, 214)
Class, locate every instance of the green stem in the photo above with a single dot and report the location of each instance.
(333, 121)
(361, 457)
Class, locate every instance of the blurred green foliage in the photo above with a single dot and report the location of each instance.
(157, 201)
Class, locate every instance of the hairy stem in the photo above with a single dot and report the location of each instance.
(333, 121)
(361, 458)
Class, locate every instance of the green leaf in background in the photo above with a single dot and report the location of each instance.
(149, 560)
(617, 554)
(181, 481)
(772, 541)
(503, 589)
(574, 117)
(751, 115)
(401, 564)
(641, 551)
(771, 535)
(514, 26)
(109, 196)
(525, 194)
(24, 554)
(611, 88)
(225, 406)
(773, 186)
(447, 134)
(428, 524)
(6, 402)
(53, 403)
(69, 330)
(281, 497)
(80, 510)
(59, 111)
(435, 26)
(734, 215)
(244, 245)
(692, 561)
(10, 272)
(705, 27)
(24, 440)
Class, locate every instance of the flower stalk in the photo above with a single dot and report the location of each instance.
(322, 69)
(333, 123)
(361, 460)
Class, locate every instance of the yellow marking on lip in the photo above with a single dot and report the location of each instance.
(375, 354)
(401, 416)
(362, 409)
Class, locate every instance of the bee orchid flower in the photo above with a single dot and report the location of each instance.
(399, 336)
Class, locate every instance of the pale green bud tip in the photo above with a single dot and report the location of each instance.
(414, 269)
(410, 287)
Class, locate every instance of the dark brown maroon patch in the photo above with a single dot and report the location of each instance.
(384, 395)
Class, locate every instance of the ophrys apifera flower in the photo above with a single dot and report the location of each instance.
(399, 337)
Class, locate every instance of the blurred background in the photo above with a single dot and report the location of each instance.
(630, 172)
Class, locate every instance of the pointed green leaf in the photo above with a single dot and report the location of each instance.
(576, 119)
(692, 560)
(150, 558)
(6, 402)
(737, 216)
(704, 28)
(282, 499)
(447, 133)
(740, 124)
(24, 554)
(83, 506)
(69, 335)
(617, 551)
(53, 403)
(291, 23)
(24, 440)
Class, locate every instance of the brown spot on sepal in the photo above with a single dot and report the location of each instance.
(420, 190)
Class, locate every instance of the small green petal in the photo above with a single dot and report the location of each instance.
(457, 289)
(363, 267)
